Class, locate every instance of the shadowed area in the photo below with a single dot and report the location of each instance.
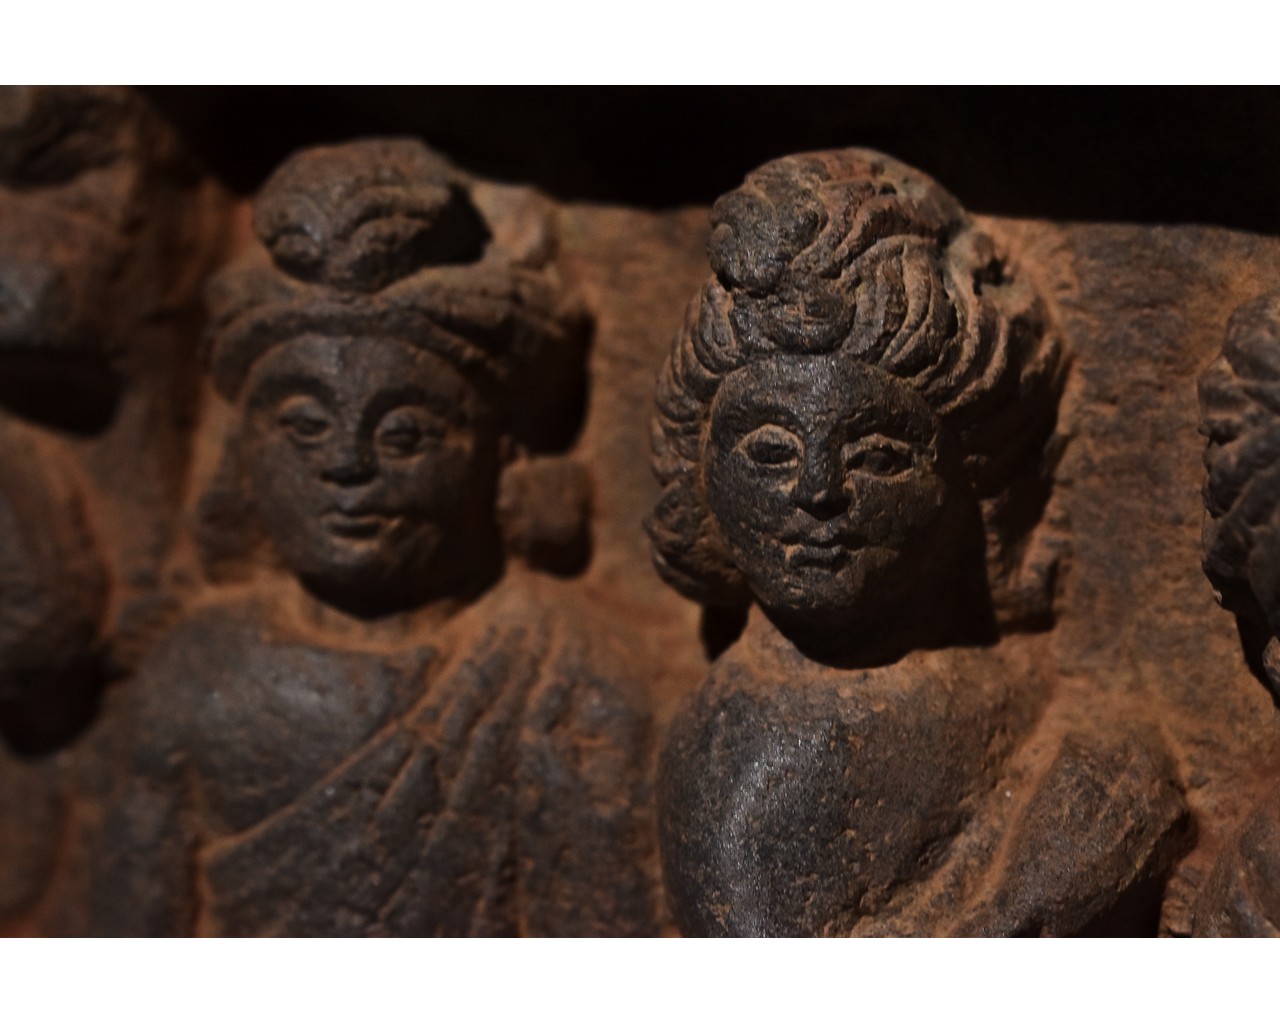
(1149, 155)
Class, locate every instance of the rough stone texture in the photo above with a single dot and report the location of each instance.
(1239, 419)
(1086, 751)
(1139, 630)
(106, 231)
(486, 782)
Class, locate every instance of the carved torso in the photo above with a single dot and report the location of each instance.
(265, 684)
(933, 796)
(417, 793)
(800, 798)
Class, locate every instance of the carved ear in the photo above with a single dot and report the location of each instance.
(544, 510)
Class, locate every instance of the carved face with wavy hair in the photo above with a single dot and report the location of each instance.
(852, 399)
(831, 483)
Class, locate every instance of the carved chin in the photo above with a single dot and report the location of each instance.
(366, 555)
(844, 583)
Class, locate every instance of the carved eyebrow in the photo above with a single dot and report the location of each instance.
(895, 425)
(756, 411)
(275, 388)
(387, 399)
(878, 439)
(372, 203)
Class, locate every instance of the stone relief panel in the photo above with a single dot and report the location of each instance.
(342, 493)
(106, 230)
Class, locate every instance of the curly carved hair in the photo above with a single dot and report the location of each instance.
(853, 253)
(1240, 416)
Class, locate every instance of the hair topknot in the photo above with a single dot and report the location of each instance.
(1240, 416)
(853, 253)
(359, 216)
(383, 237)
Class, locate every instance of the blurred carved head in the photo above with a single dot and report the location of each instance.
(100, 231)
(387, 359)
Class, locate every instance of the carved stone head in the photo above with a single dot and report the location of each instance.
(386, 362)
(104, 232)
(1240, 416)
(855, 394)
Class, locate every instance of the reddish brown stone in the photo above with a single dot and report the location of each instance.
(438, 712)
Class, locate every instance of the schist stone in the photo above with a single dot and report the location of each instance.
(395, 552)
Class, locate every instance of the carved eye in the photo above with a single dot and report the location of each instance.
(407, 431)
(771, 445)
(304, 419)
(878, 456)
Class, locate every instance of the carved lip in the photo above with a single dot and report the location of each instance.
(825, 555)
(356, 524)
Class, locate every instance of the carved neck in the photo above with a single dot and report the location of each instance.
(308, 614)
(957, 613)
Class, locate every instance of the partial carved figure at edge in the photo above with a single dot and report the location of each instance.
(107, 229)
(1240, 417)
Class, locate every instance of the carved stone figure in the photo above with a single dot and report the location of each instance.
(383, 720)
(855, 436)
(373, 608)
(1240, 416)
(106, 231)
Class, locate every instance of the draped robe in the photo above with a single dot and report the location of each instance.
(490, 781)
(942, 794)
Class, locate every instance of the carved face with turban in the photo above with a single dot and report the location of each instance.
(385, 369)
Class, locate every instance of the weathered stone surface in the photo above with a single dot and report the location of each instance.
(106, 231)
(438, 713)
(1242, 497)
(1139, 630)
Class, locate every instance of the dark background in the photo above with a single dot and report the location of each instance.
(1152, 155)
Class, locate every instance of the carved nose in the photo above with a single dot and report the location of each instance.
(822, 504)
(351, 464)
(820, 491)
